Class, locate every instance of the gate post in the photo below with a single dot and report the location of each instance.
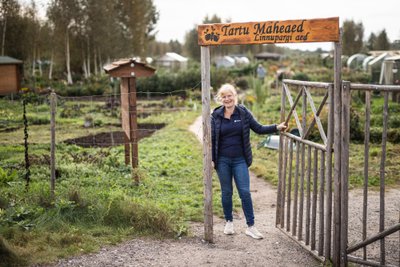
(345, 143)
(207, 158)
(337, 152)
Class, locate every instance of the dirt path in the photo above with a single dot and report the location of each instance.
(237, 250)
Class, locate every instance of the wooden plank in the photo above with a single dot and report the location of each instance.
(293, 108)
(301, 205)
(307, 142)
(296, 190)
(280, 173)
(269, 32)
(124, 87)
(133, 134)
(375, 87)
(127, 149)
(321, 205)
(382, 175)
(328, 216)
(302, 147)
(337, 148)
(314, 200)
(374, 238)
(308, 84)
(285, 160)
(308, 196)
(366, 263)
(53, 105)
(321, 107)
(207, 167)
(344, 169)
(366, 167)
(316, 117)
(289, 191)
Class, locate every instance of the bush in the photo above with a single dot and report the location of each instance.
(301, 77)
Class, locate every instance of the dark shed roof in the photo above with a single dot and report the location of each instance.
(9, 60)
(268, 55)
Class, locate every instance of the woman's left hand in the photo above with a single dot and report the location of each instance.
(281, 127)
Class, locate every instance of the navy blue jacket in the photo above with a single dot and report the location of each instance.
(248, 122)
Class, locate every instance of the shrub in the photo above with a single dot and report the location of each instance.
(301, 77)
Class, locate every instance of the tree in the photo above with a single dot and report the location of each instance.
(191, 46)
(382, 41)
(9, 15)
(137, 20)
(352, 37)
(65, 15)
(371, 43)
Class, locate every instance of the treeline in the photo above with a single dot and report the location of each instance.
(354, 40)
(75, 38)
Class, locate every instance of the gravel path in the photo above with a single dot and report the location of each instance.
(275, 249)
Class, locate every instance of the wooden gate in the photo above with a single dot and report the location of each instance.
(313, 199)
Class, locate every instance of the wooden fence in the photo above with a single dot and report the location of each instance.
(313, 199)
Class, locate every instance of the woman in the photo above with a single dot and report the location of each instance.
(231, 153)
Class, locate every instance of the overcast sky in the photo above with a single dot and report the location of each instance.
(177, 17)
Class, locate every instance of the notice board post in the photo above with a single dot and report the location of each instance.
(128, 70)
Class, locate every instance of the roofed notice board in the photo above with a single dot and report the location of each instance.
(269, 32)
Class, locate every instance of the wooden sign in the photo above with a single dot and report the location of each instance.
(269, 32)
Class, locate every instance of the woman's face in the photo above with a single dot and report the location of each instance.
(228, 99)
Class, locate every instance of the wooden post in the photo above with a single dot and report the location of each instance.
(133, 121)
(296, 189)
(344, 169)
(53, 102)
(366, 165)
(127, 149)
(289, 189)
(303, 160)
(279, 202)
(328, 217)
(207, 158)
(337, 150)
(314, 200)
(382, 177)
(308, 197)
(321, 205)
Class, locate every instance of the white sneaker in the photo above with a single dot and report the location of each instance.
(229, 228)
(253, 232)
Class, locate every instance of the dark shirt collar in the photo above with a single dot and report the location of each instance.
(221, 109)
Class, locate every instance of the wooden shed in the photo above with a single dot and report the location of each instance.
(10, 75)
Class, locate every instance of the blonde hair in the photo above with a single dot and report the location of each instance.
(226, 88)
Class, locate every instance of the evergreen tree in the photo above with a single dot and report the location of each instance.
(382, 41)
(352, 37)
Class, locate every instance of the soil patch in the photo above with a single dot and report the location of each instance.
(115, 138)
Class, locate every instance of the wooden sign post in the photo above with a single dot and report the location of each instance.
(128, 70)
(266, 32)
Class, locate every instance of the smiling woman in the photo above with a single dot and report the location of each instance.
(232, 155)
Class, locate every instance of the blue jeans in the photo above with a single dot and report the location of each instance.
(235, 168)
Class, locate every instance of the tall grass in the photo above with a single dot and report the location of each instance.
(97, 202)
